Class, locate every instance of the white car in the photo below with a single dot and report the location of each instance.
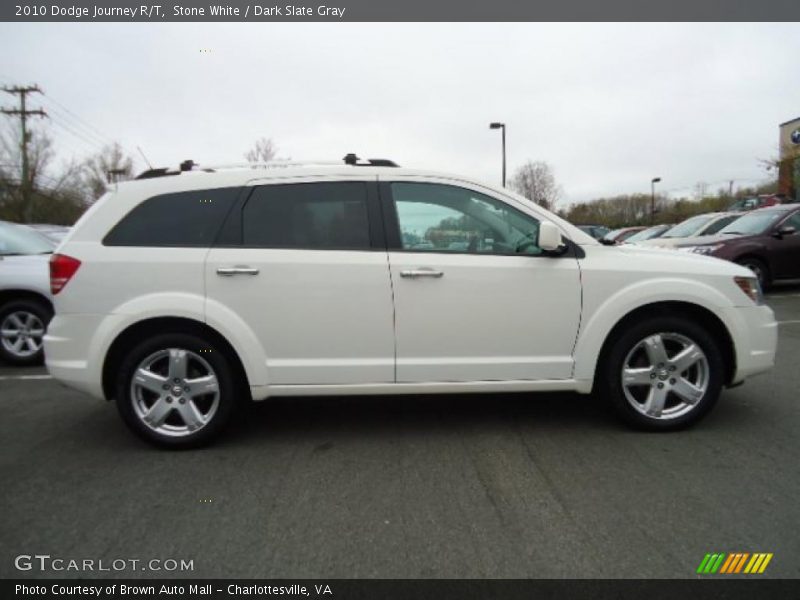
(699, 225)
(25, 300)
(178, 296)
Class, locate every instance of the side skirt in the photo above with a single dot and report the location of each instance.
(444, 387)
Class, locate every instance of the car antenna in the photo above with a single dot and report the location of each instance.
(149, 166)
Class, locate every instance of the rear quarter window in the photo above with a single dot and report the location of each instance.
(182, 219)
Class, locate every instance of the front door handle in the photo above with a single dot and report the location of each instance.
(238, 270)
(414, 273)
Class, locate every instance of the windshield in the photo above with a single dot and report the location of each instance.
(689, 227)
(752, 224)
(646, 234)
(17, 239)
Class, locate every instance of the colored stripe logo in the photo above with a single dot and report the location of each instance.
(735, 562)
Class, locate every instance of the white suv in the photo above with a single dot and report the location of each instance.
(182, 293)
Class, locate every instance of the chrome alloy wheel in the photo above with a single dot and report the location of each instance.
(21, 333)
(175, 392)
(665, 375)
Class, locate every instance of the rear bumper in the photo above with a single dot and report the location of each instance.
(755, 339)
(70, 356)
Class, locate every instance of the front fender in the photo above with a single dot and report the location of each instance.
(602, 314)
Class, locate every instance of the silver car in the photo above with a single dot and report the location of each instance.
(25, 299)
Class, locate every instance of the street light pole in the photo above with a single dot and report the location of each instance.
(503, 127)
(653, 183)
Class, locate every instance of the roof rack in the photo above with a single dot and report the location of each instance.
(190, 165)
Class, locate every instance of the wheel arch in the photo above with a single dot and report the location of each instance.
(10, 295)
(160, 325)
(762, 258)
(710, 321)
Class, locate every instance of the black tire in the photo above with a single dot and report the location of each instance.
(760, 268)
(610, 384)
(39, 309)
(128, 403)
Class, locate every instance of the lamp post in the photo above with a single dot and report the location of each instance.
(503, 127)
(653, 183)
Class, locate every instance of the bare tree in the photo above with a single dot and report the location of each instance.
(535, 181)
(56, 190)
(263, 150)
(109, 165)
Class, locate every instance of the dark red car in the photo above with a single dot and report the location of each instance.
(620, 235)
(766, 240)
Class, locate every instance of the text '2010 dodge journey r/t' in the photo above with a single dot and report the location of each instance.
(182, 293)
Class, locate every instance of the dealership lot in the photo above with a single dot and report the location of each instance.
(443, 486)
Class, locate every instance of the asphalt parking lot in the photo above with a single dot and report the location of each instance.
(446, 486)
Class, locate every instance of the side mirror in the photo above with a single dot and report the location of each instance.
(785, 230)
(549, 236)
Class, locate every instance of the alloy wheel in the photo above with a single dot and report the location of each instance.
(175, 392)
(21, 333)
(665, 376)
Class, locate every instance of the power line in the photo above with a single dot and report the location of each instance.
(95, 146)
(79, 127)
(97, 133)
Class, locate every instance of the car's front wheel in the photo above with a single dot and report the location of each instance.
(22, 327)
(175, 390)
(663, 373)
(759, 269)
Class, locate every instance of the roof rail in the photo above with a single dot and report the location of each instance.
(190, 165)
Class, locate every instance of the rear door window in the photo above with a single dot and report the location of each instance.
(310, 216)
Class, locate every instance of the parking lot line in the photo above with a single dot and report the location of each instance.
(792, 322)
(5, 377)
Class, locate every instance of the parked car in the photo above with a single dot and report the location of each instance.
(54, 232)
(180, 296)
(754, 202)
(25, 300)
(699, 225)
(766, 241)
(618, 236)
(648, 234)
(598, 232)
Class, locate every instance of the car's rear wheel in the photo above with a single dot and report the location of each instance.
(22, 327)
(663, 373)
(176, 390)
(759, 269)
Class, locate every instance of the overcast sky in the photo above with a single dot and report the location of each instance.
(608, 106)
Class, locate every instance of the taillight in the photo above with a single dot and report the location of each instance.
(62, 268)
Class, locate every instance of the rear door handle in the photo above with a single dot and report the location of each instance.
(414, 273)
(238, 270)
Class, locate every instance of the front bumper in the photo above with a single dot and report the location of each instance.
(755, 337)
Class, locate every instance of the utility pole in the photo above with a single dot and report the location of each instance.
(503, 127)
(23, 113)
(653, 183)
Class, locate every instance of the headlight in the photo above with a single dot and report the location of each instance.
(751, 288)
(701, 249)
